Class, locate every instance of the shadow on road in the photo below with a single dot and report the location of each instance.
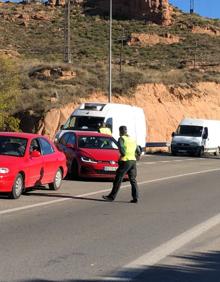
(56, 195)
(198, 267)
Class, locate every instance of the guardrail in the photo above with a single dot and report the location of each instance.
(157, 144)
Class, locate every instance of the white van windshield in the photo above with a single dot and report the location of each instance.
(83, 123)
(189, 130)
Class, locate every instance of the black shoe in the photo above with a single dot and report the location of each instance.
(134, 201)
(108, 198)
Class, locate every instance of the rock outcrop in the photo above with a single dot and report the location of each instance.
(206, 30)
(52, 73)
(164, 107)
(146, 39)
(156, 11)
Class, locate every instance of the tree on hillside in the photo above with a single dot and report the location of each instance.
(9, 93)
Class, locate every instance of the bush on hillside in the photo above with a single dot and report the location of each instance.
(9, 92)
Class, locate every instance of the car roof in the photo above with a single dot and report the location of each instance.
(20, 134)
(88, 133)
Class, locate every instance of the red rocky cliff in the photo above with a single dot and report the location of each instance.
(157, 11)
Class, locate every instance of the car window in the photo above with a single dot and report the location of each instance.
(35, 146)
(63, 140)
(46, 147)
(71, 138)
(97, 142)
(12, 146)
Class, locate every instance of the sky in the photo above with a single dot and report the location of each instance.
(205, 8)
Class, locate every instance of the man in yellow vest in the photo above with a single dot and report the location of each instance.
(104, 129)
(127, 164)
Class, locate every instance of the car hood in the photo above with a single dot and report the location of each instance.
(101, 154)
(186, 139)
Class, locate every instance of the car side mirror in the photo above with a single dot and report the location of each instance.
(205, 133)
(35, 154)
(173, 134)
(71, 146)
(205, 136)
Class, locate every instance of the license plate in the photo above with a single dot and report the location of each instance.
(110, 168)
(182, 151)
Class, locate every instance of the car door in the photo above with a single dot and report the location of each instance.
(35, 164)
(70, 139)
(50, 160)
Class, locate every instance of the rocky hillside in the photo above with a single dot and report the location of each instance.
(163, 60)
(164, 107)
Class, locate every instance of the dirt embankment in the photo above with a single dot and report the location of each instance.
(164, 107)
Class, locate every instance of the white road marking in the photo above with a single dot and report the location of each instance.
(182, 160)
(153, 257)
(104, 191)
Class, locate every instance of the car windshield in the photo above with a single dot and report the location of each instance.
(12, 146)
(83, 123)
(189, 130)
(97, 142)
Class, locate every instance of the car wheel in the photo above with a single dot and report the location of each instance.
(17, 187)
(173, 153)
(56, 184)
(201, 152)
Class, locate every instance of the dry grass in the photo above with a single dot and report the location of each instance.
(40, 44)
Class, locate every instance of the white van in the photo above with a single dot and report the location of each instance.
(196, 136)
(89, 116)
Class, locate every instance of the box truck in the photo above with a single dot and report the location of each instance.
(196, 137)
(89, 116)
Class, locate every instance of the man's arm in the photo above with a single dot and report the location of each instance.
(138, 153)
(121, 146)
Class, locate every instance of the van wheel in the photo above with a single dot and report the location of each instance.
(201, 152)
(74, 170)
(56, 184)
(217, 152)
(17, 188)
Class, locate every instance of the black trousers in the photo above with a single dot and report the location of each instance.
(130, 168)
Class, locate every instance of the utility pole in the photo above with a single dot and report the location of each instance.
(110, 53)
(67, 51)
(191, 6)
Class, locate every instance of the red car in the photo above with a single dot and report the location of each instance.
(28, 160)
(89, 154)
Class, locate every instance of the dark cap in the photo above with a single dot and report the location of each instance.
(123, 129)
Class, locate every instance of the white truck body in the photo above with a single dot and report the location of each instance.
(196, 136)
(88, 116)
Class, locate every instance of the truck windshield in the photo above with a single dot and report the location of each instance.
(189, 130)
(83, 123)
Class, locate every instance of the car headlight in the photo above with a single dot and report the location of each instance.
(88, 160)
(4, 170)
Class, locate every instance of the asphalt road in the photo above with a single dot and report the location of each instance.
(73, 235)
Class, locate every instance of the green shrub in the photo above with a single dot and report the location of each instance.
(9, 93)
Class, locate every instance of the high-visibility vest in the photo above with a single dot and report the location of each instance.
(130, 148)
(105, 130)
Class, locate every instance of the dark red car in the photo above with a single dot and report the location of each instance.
(28, 160)
(89, 154)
